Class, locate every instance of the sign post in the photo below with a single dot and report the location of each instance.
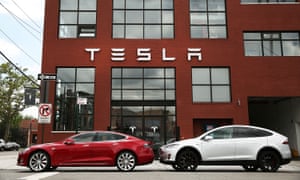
(44, 113)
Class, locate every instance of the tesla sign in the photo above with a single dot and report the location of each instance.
(144, 54)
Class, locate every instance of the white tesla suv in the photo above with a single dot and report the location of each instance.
(248, 146)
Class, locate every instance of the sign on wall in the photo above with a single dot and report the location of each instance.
(45, 113)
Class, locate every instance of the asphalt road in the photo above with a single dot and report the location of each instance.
(158, 171)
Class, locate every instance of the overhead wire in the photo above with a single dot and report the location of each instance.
(22, 22)
(32, 21)
(19, 47)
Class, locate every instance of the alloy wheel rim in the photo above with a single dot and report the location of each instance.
(126, 161)
(187, 161)
(38, 161)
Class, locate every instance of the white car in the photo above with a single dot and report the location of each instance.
(248, 146)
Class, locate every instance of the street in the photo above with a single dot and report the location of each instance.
(9, 171)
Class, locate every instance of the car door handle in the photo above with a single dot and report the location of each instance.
(86, 145)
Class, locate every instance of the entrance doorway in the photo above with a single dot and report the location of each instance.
(280, 114)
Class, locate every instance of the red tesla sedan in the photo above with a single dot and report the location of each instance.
(97, 148)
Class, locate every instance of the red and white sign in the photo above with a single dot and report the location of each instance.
(45, 113)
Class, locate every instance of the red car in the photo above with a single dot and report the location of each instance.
(100, 148)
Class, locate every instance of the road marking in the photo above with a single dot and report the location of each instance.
(39, 176)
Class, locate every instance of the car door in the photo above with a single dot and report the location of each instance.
(103, 149)
(218, 145)
(248, 142)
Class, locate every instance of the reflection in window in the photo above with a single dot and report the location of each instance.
(266, 1)
(71, 84)
(143, 19)
(272, 43)
(208, 19)
(144, 98)
(211, 85)
(77, 18)
(143, 84)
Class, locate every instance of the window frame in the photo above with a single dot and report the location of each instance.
(121, 28)
(207, 25)
(81, 30)
(210, 85)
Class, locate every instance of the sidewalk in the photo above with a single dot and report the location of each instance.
(8, 161)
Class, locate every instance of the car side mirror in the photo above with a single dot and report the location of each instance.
(208, 138)
(69, 142)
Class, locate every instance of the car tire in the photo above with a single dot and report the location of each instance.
(250, 167)
(126, 161)
(269, 161)
(39, 161)
(187, 160)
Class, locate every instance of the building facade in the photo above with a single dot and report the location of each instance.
(170, 69)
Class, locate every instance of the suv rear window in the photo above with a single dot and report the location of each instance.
(245, 132)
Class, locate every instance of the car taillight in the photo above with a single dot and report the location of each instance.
(285, 142)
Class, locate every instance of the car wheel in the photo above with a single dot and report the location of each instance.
(39, 161)
(126, 161)
(269, 161)
(250, 167)
(187, 160)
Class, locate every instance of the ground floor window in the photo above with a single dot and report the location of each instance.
(143, 103)
(74, 100)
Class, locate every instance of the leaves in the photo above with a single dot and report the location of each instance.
(12, 85)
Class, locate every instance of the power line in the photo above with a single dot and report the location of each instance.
(22, 22)
(19, 47)
(26, 15)
(9, 61)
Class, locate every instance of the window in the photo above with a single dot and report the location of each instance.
(272, 43)
(72, 84)
(143, 19)
(225, 133)
(86, 137)
(211, 84)
(77, 18)
(266, 1)
(244, 132)
(208, 19)
(143, 103)
(143, 84)
(108, 137)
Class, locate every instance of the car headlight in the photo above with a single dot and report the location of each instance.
(171, 146)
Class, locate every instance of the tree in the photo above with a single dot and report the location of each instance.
(12, 84)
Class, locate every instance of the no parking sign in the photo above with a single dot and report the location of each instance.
(45, 113)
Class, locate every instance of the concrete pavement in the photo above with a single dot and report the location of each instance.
(8, 160)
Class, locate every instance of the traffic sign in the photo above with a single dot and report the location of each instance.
(47, 77)
(45, 113)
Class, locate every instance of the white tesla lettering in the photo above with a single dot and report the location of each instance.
(144, 54)
(164, 56)
(194, 52)
(92, 52)
(117, 54)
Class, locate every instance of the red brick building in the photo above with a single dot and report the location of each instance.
(164, 69)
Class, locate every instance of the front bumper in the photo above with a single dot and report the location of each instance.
(167, 156)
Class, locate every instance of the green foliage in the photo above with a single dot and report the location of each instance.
(12, 85)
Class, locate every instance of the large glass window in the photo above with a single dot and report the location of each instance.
(211, 84)
(272, 43)
(143, 19)
(208, 19)
(77, 18)
(143, 103)
(74, 85)
(266, 1)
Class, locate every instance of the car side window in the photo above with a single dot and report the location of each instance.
(225, 133)
(245, 132)
(86, 137)
(108, 137)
